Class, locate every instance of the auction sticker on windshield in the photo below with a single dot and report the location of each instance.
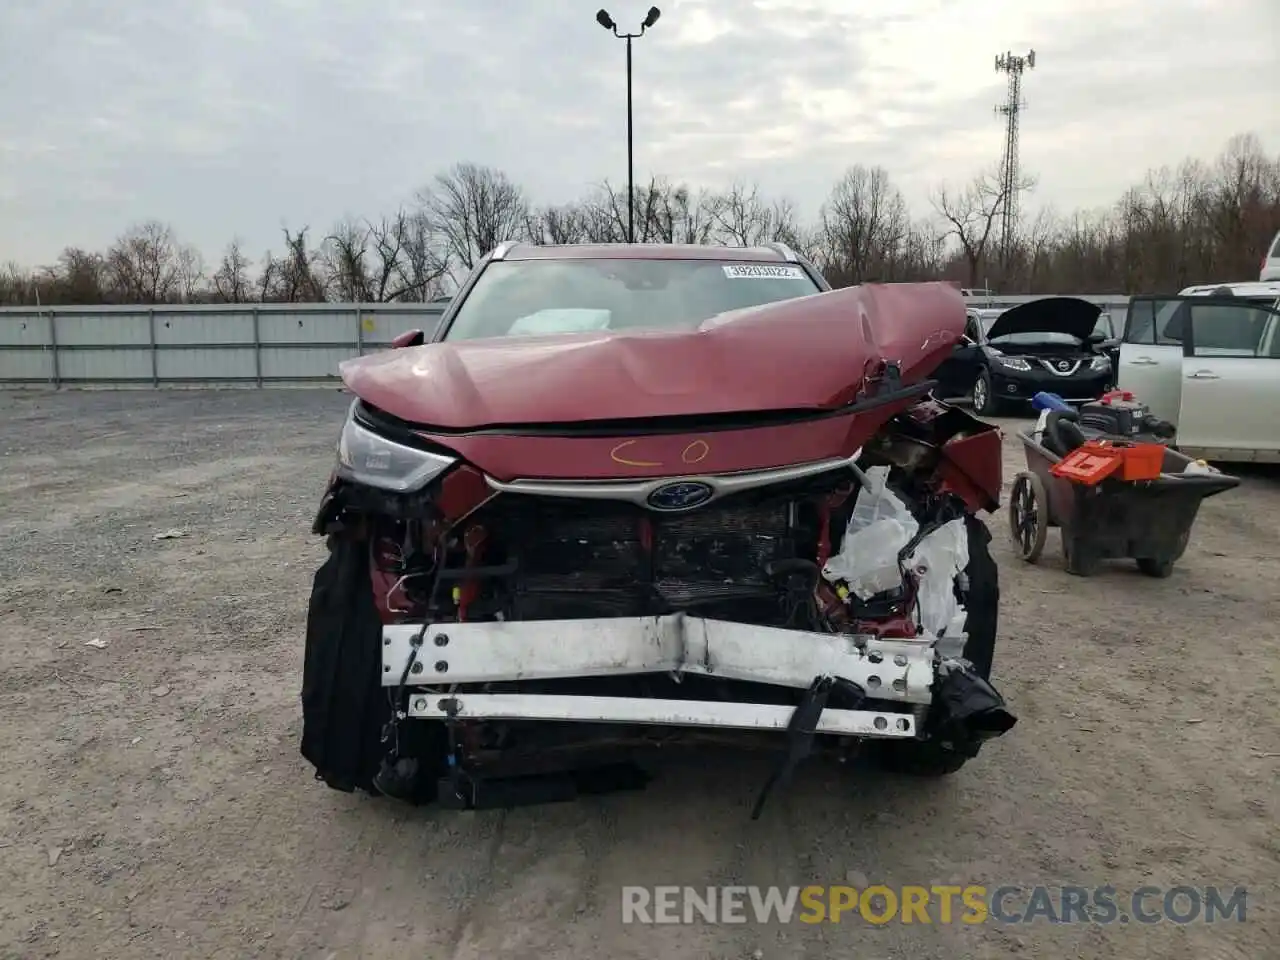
(762, 271)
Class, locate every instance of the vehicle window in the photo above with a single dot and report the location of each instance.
(529, 297)
(1155, 322)
(972, 330)
(1103, 327)
(1141, 324)
(1275, 248)
(1271, 340)
(1227, 330)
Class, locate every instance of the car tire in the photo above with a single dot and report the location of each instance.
(1154, 567)
(919, 758)
(926, 758)
(414, 776)
(985, 403)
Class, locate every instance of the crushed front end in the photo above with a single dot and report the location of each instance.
(481, 642)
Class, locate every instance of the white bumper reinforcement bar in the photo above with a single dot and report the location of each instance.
(495, 652)
(681, 713)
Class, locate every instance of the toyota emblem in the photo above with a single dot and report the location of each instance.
(680, 495)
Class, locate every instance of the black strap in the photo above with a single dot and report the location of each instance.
(800, 731)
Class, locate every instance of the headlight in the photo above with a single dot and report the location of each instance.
(1100, 363)
(1012, 363)
(364, 457)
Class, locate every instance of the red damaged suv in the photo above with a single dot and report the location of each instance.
(635, 495)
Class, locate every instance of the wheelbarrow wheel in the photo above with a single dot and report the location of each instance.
(1028, 515)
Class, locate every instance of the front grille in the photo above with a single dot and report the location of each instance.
(1054, 365)
(604, 558)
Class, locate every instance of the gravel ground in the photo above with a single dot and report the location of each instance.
(156, 804)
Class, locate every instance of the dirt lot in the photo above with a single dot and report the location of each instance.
(155, 805)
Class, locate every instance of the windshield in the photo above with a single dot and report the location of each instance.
(527, 297)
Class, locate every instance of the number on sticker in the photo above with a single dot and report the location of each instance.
(762, 271)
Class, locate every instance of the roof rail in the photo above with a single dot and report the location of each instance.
(782, 250)
(501, 250)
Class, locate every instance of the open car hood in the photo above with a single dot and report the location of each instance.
(1069, 315)
(811, 352)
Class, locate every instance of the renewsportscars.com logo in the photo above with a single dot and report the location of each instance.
(880, 904)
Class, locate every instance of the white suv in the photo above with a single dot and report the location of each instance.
(1271, 262)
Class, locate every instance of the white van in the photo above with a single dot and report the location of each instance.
(1208, 361)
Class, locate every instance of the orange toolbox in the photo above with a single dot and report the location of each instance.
(1095, 460)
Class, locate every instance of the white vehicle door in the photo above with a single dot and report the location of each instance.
(1231, 381)
(1151, 359)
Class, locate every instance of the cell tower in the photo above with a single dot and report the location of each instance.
(1014, 66)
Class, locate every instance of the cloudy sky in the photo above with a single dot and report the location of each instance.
(233, 117)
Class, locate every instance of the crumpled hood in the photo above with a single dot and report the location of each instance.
(1069, 315)
(807, 353)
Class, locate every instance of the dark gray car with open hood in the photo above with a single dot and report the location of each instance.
(1055, 344)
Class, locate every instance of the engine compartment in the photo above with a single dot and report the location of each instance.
(536, 558)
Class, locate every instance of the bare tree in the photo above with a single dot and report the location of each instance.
(565, 223)
(603, 216)
(394, 259)
(739, 215)
(346, 257)
(742, 217)
(407, 263)
(231, 282)
(424, 262)
(679, 215)
(922, 255)
(665, 212)
(17, 285)
(1241, 191)
(296, 277)
(863, 226)
(144, 265)
(784, 224)
(613, 219)
(969, 215)
(190, 273)
(473, 209)
(1036, 241)
(79, 277)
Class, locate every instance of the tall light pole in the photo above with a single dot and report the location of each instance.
(606, 21)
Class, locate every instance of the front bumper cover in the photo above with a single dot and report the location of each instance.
(899, 674)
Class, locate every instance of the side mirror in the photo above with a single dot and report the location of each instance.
(410, 338)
